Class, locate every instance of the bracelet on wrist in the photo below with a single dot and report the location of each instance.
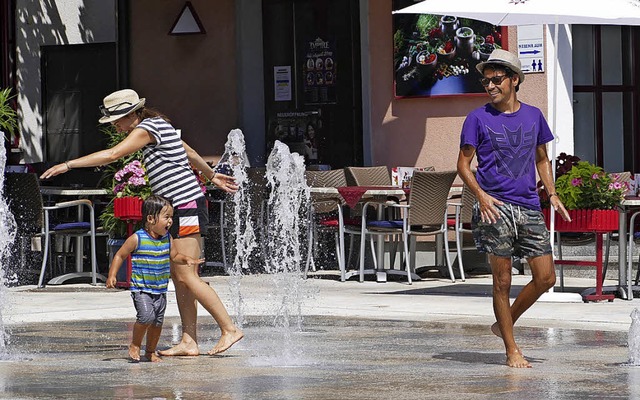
(68, 166)
(553, 194)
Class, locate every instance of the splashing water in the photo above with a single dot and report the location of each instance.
(235, 163)
(633, 340)
(7, 236)
(288, 200)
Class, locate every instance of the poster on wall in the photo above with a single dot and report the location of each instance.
(300, 130)
(436, 55)
(319, 71)
(282, 83)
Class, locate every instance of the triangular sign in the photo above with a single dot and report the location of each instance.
(187, 22)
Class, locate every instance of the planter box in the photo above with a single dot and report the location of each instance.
(585, 221)
(128, 208)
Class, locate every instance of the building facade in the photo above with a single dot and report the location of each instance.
(253, 65)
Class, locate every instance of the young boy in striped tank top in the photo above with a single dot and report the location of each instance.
(151, 253)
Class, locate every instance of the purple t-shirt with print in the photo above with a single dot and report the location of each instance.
(506, 151)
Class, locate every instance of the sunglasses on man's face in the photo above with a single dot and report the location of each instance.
(496, 80)
(108, 111)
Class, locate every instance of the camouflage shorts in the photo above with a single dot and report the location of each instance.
(518, 232)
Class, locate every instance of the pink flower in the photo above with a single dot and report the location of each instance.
(595, 176)
(576, 181)
(131, 179)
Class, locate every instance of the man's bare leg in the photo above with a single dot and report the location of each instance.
(195, 288)
(543, 278)
(136, 341)
(501, 271)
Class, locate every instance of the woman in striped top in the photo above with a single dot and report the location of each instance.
(167, 158)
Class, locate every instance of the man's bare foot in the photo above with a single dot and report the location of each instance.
(152, 356)
(181, 349)
(134, 352)
(226, 340)
(517, 360)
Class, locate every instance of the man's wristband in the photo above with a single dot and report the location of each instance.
(67, 164)
(553, 194)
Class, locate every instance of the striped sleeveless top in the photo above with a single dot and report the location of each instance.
(150, 264)
(167, 165)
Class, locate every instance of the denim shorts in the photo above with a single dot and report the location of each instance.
(519, 232)
(150, 307)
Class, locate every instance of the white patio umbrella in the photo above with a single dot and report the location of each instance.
(537, 12)
(531, 12)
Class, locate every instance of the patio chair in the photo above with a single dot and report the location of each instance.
(368, 176)
(424, 214)
(327, 214)
(25, 194)
(460, 222)
(25, 204)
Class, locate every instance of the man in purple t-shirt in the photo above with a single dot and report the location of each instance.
(509, 140)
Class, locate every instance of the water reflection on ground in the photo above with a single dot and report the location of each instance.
(331, 358)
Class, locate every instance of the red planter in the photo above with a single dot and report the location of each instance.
(585, 221)
(128, 208)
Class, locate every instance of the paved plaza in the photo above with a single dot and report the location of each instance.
(357, 341)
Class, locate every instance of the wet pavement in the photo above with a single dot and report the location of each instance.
(358, 341)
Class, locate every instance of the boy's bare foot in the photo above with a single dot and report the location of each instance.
(226, 340)
(134, 352)
(152, 356)
(181, 349)
(517, 360)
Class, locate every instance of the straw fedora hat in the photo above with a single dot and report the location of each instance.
(118, 104)
(505, 58)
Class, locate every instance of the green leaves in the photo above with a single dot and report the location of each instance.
(8, 116)
(587, 186)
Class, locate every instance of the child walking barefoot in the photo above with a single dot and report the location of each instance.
(151, 252)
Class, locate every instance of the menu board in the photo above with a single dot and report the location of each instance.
(319, 71)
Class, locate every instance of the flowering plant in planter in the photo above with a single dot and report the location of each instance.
(587, 186)
(125, 177)
(131, 180)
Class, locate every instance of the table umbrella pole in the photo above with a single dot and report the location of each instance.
(551, 295)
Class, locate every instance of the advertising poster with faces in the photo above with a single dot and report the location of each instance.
(300, 130)
(319, 71)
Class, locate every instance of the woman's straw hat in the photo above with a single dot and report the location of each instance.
(118, 104)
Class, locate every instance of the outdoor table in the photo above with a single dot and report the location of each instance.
(80, 193)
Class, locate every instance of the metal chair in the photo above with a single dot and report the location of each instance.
(460, 222)
(327, 214)
(424, 214)
(25, 203)
(26, 193)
